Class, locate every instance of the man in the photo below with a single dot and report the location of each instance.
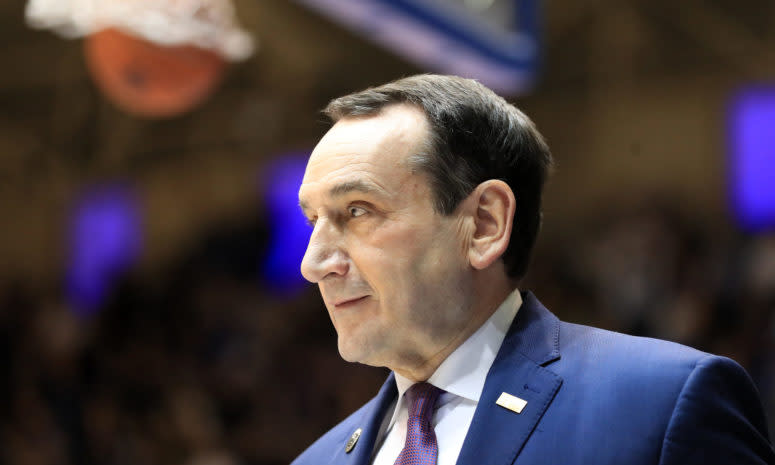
(424, 199)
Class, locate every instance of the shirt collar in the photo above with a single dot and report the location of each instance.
(464, 371)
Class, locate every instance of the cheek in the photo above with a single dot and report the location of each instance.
(385, 254)
(442, 254)
(404, 261)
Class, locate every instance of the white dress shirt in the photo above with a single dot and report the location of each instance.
(462, 376)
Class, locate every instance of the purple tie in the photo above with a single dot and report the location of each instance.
(420, 447)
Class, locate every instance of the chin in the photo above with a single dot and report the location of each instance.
(349, 353)
(356, 353)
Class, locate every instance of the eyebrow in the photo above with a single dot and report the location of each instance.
(356, 185)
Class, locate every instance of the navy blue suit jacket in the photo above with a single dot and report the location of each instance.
(593, 397)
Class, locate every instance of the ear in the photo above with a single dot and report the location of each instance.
(494, 205)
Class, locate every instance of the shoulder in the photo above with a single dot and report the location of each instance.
(718, 401)
(684, 395)
(609, 346)
(621, 372)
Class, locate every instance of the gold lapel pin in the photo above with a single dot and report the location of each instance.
(513, 403)
(352, 441)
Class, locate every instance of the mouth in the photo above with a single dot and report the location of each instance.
(349, 302)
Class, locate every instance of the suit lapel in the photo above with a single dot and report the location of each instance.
(370, 422)
(496, 435)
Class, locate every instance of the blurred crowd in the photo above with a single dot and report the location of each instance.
(201, 364)
(198, 364)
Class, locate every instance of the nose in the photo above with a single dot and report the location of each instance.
(324, 255)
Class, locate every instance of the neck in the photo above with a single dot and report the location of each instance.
(491, 289)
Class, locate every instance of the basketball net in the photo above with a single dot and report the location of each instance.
(209, 24)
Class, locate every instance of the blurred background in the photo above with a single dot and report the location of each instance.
(151, 309)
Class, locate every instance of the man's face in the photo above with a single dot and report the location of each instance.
(392, 272)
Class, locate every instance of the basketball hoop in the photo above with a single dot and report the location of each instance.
(155, 58)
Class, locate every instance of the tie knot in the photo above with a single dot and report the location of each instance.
(422, 398)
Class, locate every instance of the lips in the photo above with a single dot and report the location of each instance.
(348, 301)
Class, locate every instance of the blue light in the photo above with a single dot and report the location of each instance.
(288, 229)
(104, 241)
(752, 158)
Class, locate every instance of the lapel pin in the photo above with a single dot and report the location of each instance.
(352, 441)
(513, 403)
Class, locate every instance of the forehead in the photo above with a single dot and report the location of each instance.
(372, 149)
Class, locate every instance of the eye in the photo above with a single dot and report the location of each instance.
(355, 212)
